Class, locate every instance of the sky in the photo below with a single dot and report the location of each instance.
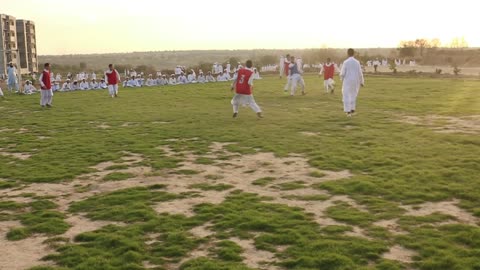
(111, 26)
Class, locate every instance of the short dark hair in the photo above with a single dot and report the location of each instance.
(249, 63)
(46, 64)
(110, 65)
(351, 52)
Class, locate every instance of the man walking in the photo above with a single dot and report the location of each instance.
(352, 77)
(113, 79)
(12, 82)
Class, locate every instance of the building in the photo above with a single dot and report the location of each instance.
(27, 46)
(8, 42)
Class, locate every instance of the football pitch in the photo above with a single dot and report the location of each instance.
(165, 178)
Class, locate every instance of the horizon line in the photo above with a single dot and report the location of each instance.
(264, 49)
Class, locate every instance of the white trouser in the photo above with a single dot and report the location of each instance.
(289, 82)
(46, 97)
(297, 79)
(1, 92)
(349, 98)
(12, 85)
(244, 100)
(329, 85)
(113, 89)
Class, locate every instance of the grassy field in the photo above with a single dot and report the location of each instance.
(164, 178)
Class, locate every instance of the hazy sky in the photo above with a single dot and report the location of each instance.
(101, 26)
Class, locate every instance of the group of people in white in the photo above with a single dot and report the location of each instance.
(182, 76)
(384, 62)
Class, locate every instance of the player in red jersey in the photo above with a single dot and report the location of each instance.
(46, 85)
(243, 85)
(328, 70)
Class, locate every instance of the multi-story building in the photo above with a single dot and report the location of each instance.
(8, 42)
(27, 46)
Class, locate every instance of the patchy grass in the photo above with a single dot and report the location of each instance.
(228, 251)
(7, 184)
(317, 174)
(186, 172)
(116, 167)
(318, 197)
(204, 161)
(265, 181)
(127, 205)
(392, 163)
(206, 187)
(291, 185)
(118, 176)
(214, 177)
(41, 219)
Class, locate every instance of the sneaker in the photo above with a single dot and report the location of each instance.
(349, 115)
(259, 115)
(235, 115)
(49, 106)
(352, 112)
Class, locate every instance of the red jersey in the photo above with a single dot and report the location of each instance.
(46, 80)
(328, 71)
(242, 86)
(286, 67)
(112, 77)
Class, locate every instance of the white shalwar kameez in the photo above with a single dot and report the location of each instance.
(352, 77)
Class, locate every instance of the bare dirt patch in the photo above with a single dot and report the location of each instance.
(202, 231)
(253, 257)
(23, 254)
(391, 225)
(310, 134)
(103, 126)
(448, 207)
(399, 253)
(21, 156)
(446, 124)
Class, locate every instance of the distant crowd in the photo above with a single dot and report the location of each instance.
(219, 73)
(132, 78)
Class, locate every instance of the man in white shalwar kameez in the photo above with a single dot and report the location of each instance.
(172, 80)
(210, 77)
(103, 84)
(29, 89)
(352, 77)
(201, 78)
(94, 84)
(12, 82)
(66, 86)
(84, 85)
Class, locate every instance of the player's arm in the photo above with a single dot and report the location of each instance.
(41, 80)
(118, 76)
